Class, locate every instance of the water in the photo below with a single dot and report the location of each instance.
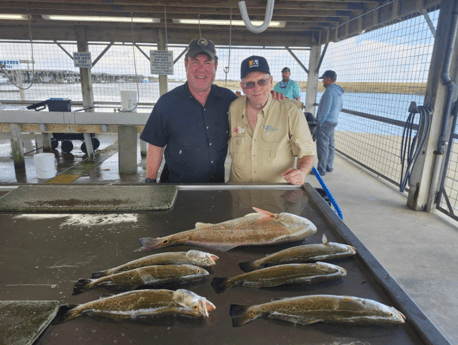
(393, 106)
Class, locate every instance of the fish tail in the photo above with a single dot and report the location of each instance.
(148, 243)
(64, 314)
(99, 274)
(240, 316)
(247, 266)
(220, 284)
(81, 286)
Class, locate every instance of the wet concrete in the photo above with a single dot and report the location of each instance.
(48, 253)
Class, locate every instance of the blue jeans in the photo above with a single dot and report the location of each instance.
(325, 146)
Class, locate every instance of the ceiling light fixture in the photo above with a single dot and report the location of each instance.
(273, 23)
(13, 16)
(102, 19)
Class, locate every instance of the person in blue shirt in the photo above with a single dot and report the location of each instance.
(327, 118)
(288, 87)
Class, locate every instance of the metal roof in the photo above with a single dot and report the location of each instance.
(308, 22)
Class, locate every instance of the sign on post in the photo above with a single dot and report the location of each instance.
(82, 59)
(10, 64)
(161, 62)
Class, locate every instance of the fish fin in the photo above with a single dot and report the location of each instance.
(63, 314)
(239, 315)
(202, 225)
(219, 284)
(251, 214)
(81, 286)
(106, 295)
(265, 213)
(291, 318)
(246, 266)
(100, 274)
(148, 243)
(325, 239)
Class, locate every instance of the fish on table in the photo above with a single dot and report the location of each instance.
(261, 228)
(144, 276)
(280, 275)
(306, 310)
(191, 257)
(306, 253)
(141, 303)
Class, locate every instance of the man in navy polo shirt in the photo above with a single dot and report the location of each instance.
(191, 123)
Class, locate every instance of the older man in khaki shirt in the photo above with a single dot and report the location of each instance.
(266, 135)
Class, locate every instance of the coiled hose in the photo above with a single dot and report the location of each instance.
(411, 147)
(328, 193)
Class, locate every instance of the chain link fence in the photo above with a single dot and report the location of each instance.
(382, 71)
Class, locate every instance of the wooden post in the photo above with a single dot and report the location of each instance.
(312, 79)
(86, 85)
(16, 146)
(163, 85)
(127, 143)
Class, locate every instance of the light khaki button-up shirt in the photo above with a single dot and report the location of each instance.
(261, 155)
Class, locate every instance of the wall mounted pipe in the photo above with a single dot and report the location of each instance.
(267, 18)
(451, 86)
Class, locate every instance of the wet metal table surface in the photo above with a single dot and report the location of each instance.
(43, 255)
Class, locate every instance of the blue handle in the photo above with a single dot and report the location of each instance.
(328, 193)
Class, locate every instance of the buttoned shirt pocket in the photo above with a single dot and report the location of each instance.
(240, 148)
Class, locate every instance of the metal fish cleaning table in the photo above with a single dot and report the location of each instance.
(43, 255)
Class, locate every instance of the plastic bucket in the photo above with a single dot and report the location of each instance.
(45, 163)
(129, 101)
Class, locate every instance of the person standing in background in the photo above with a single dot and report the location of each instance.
(288, 87)
(327, 118)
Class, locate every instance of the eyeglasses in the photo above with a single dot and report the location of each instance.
(260, 82)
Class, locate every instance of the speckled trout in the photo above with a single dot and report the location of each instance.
(261, 228)
(142, 303)
(306, 253)
(306, 310)
(150, 275)
(191, 257)
(280, 275)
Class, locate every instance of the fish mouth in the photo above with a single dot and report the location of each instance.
(213, 258)
(400, 315)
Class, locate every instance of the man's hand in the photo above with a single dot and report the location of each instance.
(294, 176)
(277, 95)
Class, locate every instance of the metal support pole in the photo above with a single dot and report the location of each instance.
(86, 85)
(312, 79)
(423, 175)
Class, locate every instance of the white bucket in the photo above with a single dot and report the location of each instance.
(129, 101)
(45, 164)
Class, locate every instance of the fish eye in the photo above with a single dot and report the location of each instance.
(195, 307)
(198, 271)
(165, 241)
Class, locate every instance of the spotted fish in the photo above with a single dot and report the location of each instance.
(306, 310)
(142, 303)
(306, 253)
(280, 275)
(261, 228)
(150, 275)
(191, 257)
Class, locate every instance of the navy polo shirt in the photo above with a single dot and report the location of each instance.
(194, 136)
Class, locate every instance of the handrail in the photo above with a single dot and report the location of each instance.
(267, 18)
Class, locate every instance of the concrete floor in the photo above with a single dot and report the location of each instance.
(420, 250)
